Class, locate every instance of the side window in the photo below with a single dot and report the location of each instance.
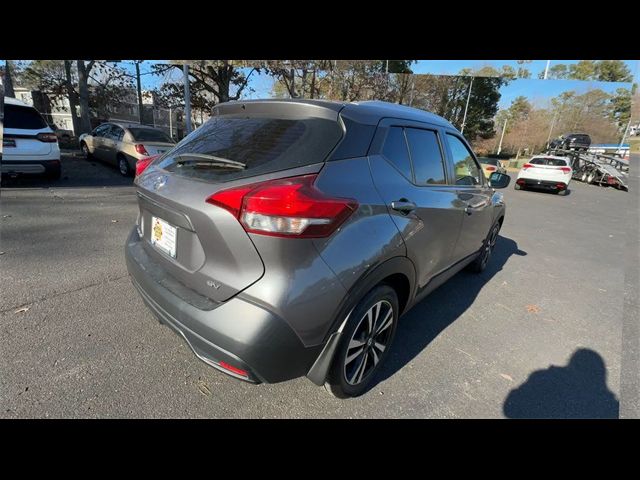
(466, 168)
(395, 150)
(426, 157)
(101, 130)
(116, 133)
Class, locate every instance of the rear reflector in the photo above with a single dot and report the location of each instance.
(141, 165)
(47, 137)
(560, 186)
(289, 207)
(520, 181)
(231, 368)
(490, 169)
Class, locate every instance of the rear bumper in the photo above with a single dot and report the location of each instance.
(29, 167)
(543, 184)
(240, 333)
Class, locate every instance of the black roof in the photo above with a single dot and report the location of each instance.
(368, 112)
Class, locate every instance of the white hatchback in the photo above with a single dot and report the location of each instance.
(545, 172)
(29, 145)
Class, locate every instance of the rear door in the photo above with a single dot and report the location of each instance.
(473, 194)
(211, 252)
(22, 124)
(410, 173)
(111, 142)
(97, 140)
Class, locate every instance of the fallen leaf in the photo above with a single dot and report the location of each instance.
(533, 308)
(204, 388)
(21, 310)
(507, 377)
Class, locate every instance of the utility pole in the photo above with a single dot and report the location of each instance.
(553, 122)
(413, 87)
(466, 107)
(187, 98)
(137, 62)
(170, 123)
(546, 70)
(504, 127)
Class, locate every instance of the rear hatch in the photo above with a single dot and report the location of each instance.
(546, 168)
(254, 141)
(22, 124)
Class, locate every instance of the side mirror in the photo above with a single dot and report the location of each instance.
(499, 180)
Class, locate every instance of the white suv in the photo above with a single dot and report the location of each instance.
(29, 146)
(546, 172)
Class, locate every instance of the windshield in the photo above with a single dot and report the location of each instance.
(149, 135)
(230, 147)
(26, 118)
(488, 161)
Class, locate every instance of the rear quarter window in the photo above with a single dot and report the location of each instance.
(263, 145)
(27, 118)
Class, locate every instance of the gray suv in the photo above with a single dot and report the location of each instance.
(285, 238)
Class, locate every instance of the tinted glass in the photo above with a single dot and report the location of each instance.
(554, 162)
(488, 161)
(536, 161)
(467, 171)
(149, 135)
(101, 130)
(426, 157)
(395, 150)
(27, 118)
(262, 145)
(116, 133)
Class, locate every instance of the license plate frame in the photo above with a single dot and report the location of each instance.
(164, 236)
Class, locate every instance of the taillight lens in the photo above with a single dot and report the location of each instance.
(290, 207)
(141, 150)
(141, 165)
(527, 165)
(565, 169)
(490, 169)
(47, 137)
(231, 368)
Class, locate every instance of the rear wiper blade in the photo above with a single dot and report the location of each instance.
(202, 159)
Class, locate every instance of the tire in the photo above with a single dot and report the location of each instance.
(517, 186)
(563, 193)
(591, 177)
(479, 265)
(123, 166)
(85, 150)
(351, 372)
(583, 177)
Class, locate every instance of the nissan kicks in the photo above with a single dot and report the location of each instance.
(285, 238)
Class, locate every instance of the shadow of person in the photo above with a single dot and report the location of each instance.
(441, 308)
(578, 390)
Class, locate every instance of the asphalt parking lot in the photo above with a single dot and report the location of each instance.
(77, 341)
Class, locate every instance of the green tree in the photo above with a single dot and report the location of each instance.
(558, 71)
(613, 71)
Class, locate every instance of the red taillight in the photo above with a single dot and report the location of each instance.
(47, 137)
(141, 165)
(565, 169)
(231, 368)
(141, 150)
(490, 169)
(561, 186)
(527, 165)
(290, 207)
(520, 181)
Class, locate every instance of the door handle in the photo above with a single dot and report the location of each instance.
(403, 205)
(470, 208)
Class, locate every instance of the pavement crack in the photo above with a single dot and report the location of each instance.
(66, 292)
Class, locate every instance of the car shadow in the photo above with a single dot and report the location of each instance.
(77, 172)
(545, 191)
(424, 322)
(578, 390)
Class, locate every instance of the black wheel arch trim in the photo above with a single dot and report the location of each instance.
(393, 266)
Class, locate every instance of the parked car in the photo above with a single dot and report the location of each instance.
(545, 172)
(286, 237)
(490, 165)
(571, 141)
(123, 145)
(29, 146)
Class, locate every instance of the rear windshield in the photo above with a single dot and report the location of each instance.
(554, 162)
(26, 118)
(149, 135)
(488, 161)
(231, 147)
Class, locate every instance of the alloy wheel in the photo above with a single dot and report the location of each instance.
(369, 341)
